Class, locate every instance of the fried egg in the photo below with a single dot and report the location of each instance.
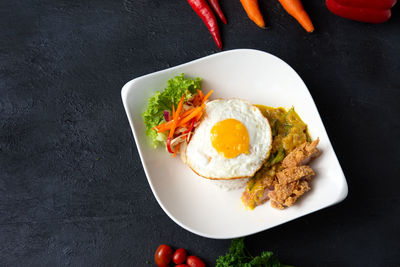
(232, 141)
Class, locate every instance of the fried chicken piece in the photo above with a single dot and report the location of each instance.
(286, 195)
(302, 154)
(293, 174)
(292, 183)
(276, 205)
(283, 184)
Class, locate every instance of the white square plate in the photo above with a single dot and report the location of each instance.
(189, 200)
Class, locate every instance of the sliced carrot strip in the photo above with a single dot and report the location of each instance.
(191, 116)
(207, 96)
(200, 94)
(186, 116)
(163, 126)
(187, 112)
(167, 125)
(179, 109)
(199, 116)
(197, 99)
(176, 115)
(186, 125)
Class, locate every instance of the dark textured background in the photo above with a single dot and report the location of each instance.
(72, 188)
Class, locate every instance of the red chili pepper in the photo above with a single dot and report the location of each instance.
(215, 5)
(191, 126)
(169, 145)
(372, 11)
(204, 11)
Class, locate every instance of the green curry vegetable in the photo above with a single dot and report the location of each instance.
(288, 132)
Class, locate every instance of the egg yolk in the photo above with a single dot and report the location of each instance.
(230, 138)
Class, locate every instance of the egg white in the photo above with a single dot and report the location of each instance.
(202, 157)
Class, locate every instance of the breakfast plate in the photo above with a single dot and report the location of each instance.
(199, 206)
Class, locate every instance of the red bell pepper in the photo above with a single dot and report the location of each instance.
(169, 145)
(372, 11)
(191, 126)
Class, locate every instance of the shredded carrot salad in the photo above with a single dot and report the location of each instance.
(183, 121)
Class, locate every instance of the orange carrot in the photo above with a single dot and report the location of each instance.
(253, 11)
(173, 111)
(167, 125)
(183, 120)
(176, 115)
(180, 119)
(186, 125)
(187, 112)
(206, 97)
(195, 112)
(197, 99)
(296, 10)
(163, 126)
(199, 116)
(200, 94)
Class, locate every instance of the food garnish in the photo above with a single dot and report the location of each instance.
(166, 125)
(238, 256)
(160, 105)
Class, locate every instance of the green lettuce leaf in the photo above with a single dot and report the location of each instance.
(160, 101)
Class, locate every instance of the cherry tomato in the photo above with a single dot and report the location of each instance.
(181, 265)
(179, 256)
(193, 261)
(163, 255)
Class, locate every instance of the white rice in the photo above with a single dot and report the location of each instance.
(225, 185)
(228, 185)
